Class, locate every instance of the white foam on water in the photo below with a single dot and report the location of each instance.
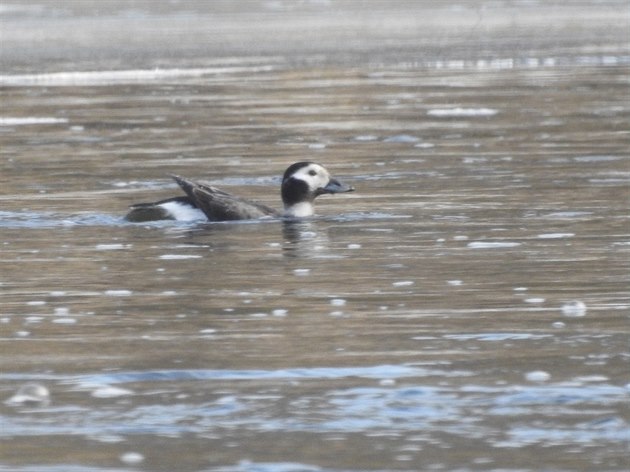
(36, 303)
(131, 458)
(111, 247)
(66, 321)
(492, 244)
(601, 158)
(534, 300)
(537, 376)
(366, 137)
(117, 293)
(31, 120)
(111, 77)
(402, 139)
(174, 257)
(109, 391)
(403, 283)
(555, 235)
(461, 112)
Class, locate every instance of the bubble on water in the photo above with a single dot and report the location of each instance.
(33, 319)
(131, 457)
(30, 393)
(66, 321)
(403, 283)
(22, 334)
(537, 376)
(62, 311)
(279, 312)
(354, 246)
(302, 272)
(317, 146)
(558, 324)
(520, 289)
(575, 308)
(208, 331)
(57, 293)
(387, 382)
(455, 282)
(338, 302)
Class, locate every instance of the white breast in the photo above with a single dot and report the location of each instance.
(299, 210)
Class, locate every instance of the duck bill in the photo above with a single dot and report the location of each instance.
(334, 186)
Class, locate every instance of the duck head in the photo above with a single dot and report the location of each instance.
(302, 183)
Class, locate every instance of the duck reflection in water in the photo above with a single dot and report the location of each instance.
(305, 239)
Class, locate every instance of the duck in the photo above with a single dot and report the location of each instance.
(302, 183)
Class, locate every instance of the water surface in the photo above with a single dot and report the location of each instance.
(465, 309)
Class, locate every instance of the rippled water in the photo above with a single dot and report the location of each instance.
(466, 308)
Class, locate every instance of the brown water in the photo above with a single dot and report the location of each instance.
(466, 308)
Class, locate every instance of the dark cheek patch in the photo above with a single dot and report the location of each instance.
(295, 191)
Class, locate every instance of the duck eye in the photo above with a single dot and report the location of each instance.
(312, 172)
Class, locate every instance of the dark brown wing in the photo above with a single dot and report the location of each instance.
(218, 205)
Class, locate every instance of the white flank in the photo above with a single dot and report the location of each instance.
(183, 212)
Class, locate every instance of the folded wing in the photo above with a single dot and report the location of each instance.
(218, 205)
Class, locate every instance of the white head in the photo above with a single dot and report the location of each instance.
(302, 183)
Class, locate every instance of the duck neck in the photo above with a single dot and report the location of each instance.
(299, 210)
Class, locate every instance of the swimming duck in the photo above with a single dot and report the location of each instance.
(302, 182)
